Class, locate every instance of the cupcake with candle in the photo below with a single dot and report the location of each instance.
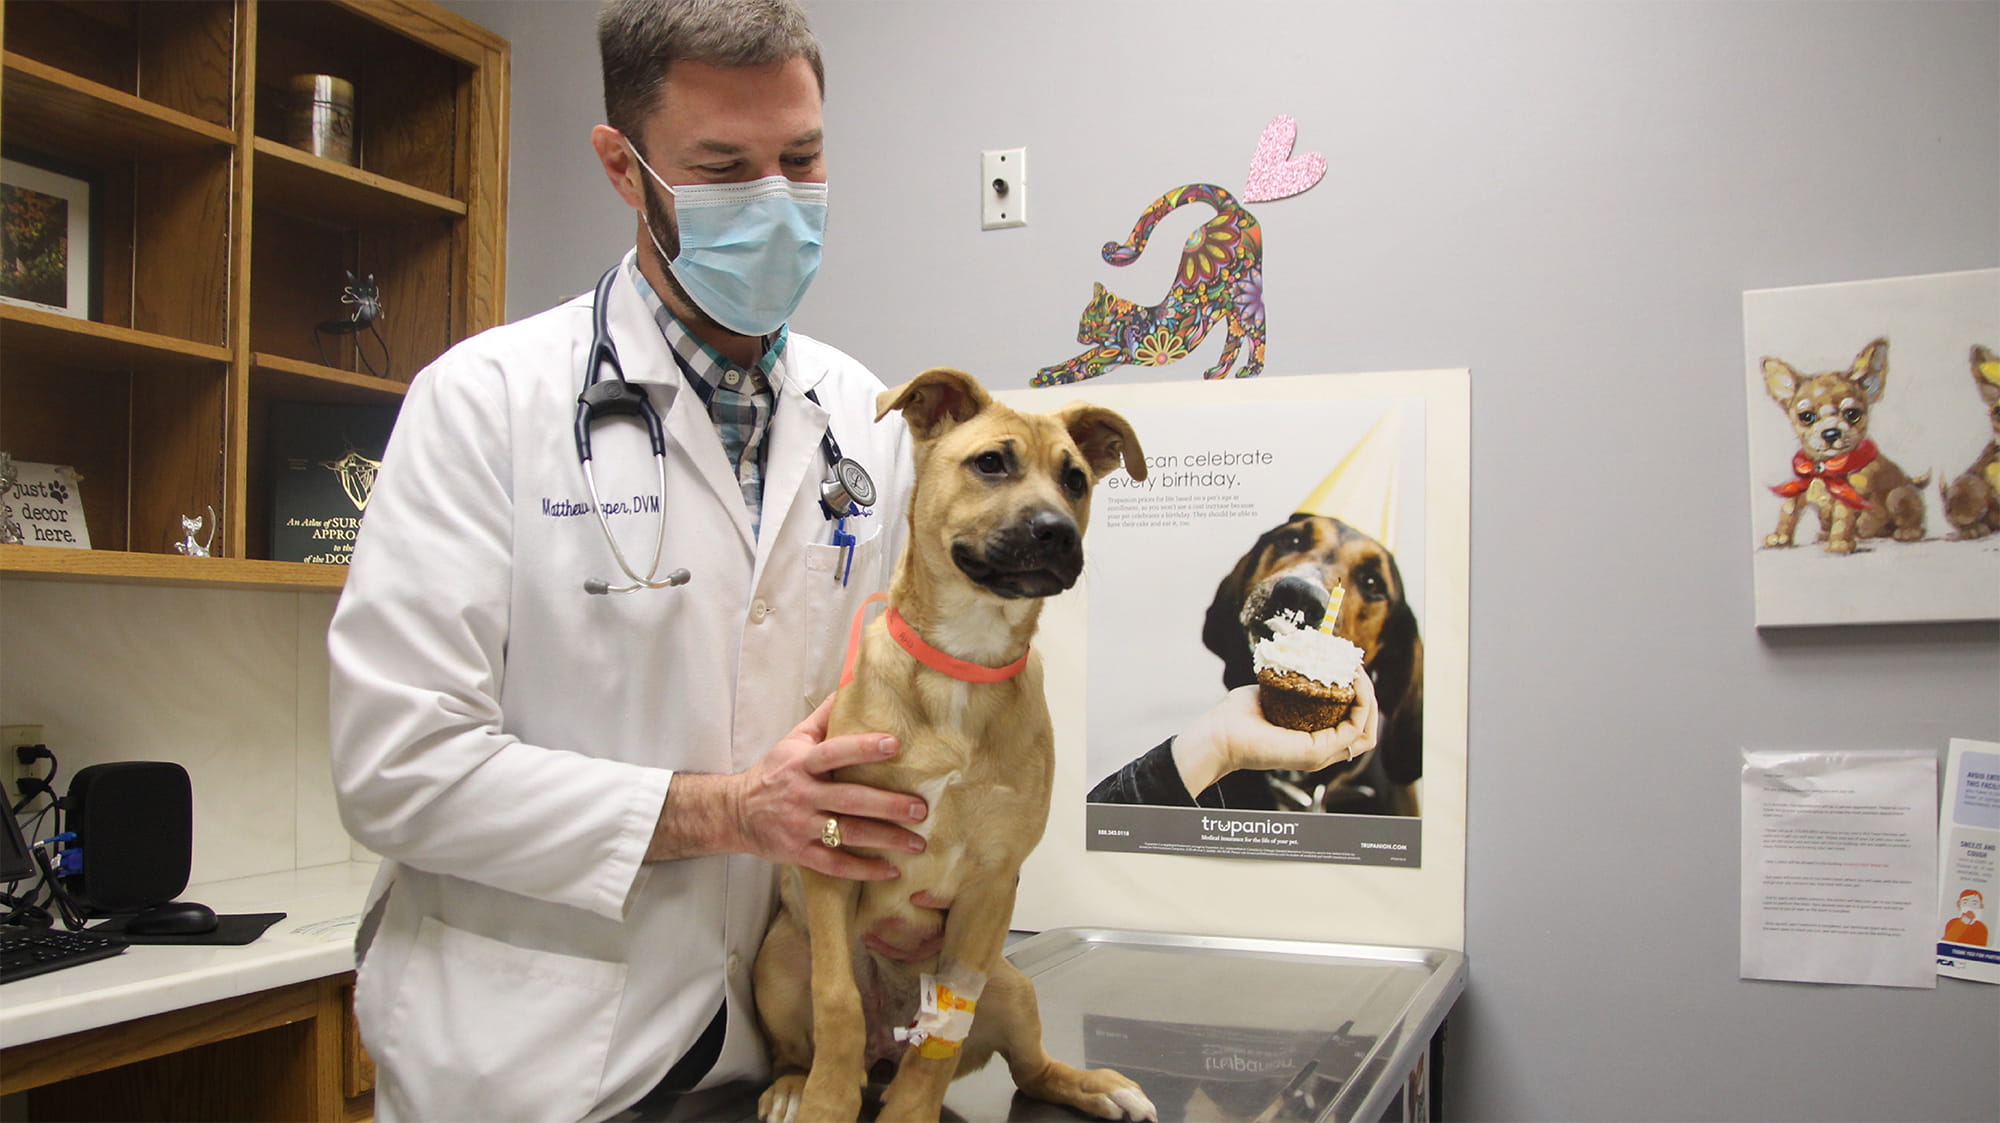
(1305, 675)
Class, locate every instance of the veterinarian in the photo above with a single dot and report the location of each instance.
(578, 771)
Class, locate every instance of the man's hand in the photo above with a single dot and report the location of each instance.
(778, 807)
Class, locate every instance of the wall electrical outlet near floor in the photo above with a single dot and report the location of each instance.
(11, 768)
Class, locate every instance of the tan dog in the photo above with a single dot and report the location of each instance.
(996, 523)
(1972, 501)
(1858, 492)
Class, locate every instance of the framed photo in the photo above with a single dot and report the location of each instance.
(46, 251)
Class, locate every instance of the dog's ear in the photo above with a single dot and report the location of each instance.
(1871, 369)
(1105, 438)
(1222, 629)
(1780, 381)
(1986, 374)
(934, 401)
(1398, 672)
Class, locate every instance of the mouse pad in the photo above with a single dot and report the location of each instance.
(229, 930)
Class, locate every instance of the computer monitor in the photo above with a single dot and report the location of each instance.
(15, 861)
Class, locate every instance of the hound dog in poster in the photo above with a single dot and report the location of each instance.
(1290, 570)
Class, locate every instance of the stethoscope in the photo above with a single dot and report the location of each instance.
(846, 490)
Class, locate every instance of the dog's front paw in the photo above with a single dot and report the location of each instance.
(1131, 1103)
(1777, 539)
(1102, 1092)
(1840, 546)
(780, 1102)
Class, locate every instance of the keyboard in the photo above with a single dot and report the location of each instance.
(33, 951)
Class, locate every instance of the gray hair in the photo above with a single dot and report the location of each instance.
(639, 39)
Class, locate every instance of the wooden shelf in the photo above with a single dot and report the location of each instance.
(293, 380)
(216, 249)
(118, 567)
(314, 188)
(53, 111)
(32, 334)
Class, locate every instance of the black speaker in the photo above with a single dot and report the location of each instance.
(134, 825)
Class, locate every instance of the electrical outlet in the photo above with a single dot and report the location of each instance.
(11, 767)
(1003, 188)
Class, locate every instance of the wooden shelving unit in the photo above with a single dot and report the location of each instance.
(219, 247)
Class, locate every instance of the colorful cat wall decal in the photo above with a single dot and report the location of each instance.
(1220, 281)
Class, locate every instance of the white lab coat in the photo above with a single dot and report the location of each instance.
(505, 740)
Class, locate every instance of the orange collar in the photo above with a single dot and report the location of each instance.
(907, 638)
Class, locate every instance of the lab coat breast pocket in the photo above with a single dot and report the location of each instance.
(481, 1029)
(830, 616)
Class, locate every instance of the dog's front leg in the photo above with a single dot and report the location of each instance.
(1105, 1093)
(975, 932)
(1842, 538)
(1788, 523)
(839, 1029)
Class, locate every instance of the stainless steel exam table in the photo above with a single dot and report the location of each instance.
(1215, 1029)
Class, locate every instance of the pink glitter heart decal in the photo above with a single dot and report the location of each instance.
(1273, 175)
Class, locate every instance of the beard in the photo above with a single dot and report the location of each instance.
(661, 222)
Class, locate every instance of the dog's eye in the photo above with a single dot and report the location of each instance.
(1372, 586)
(1075, 482)
(990, 464)
(1853, 416)
(1807, 416)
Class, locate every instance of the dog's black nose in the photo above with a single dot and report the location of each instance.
(1298, 597)
(1054, 531)
(1829, 435)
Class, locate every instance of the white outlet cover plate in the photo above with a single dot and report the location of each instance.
(1008, 165)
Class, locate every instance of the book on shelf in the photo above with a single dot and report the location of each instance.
(324, 459)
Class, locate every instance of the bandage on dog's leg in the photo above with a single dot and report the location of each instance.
(946, 1003)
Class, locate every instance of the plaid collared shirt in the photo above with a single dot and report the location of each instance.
(739, 401)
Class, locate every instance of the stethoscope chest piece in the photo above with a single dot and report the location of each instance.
(848, 487)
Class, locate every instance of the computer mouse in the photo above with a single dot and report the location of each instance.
(175, 918)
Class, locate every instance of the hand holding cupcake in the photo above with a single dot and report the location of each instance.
(1236, 734)
(1305, 676)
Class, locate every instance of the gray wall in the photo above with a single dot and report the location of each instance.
(1569, 199)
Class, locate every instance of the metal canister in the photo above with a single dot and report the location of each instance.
(321, 116)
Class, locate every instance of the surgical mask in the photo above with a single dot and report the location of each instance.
(749, 251)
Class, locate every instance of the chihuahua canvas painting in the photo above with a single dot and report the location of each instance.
(1861, 424)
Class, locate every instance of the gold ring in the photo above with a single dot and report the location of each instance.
(829, 835)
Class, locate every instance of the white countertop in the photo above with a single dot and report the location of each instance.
(322, 907)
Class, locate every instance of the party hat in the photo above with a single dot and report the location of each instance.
(1361, 489)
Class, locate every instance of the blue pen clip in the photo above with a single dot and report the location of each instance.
(846, 542)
